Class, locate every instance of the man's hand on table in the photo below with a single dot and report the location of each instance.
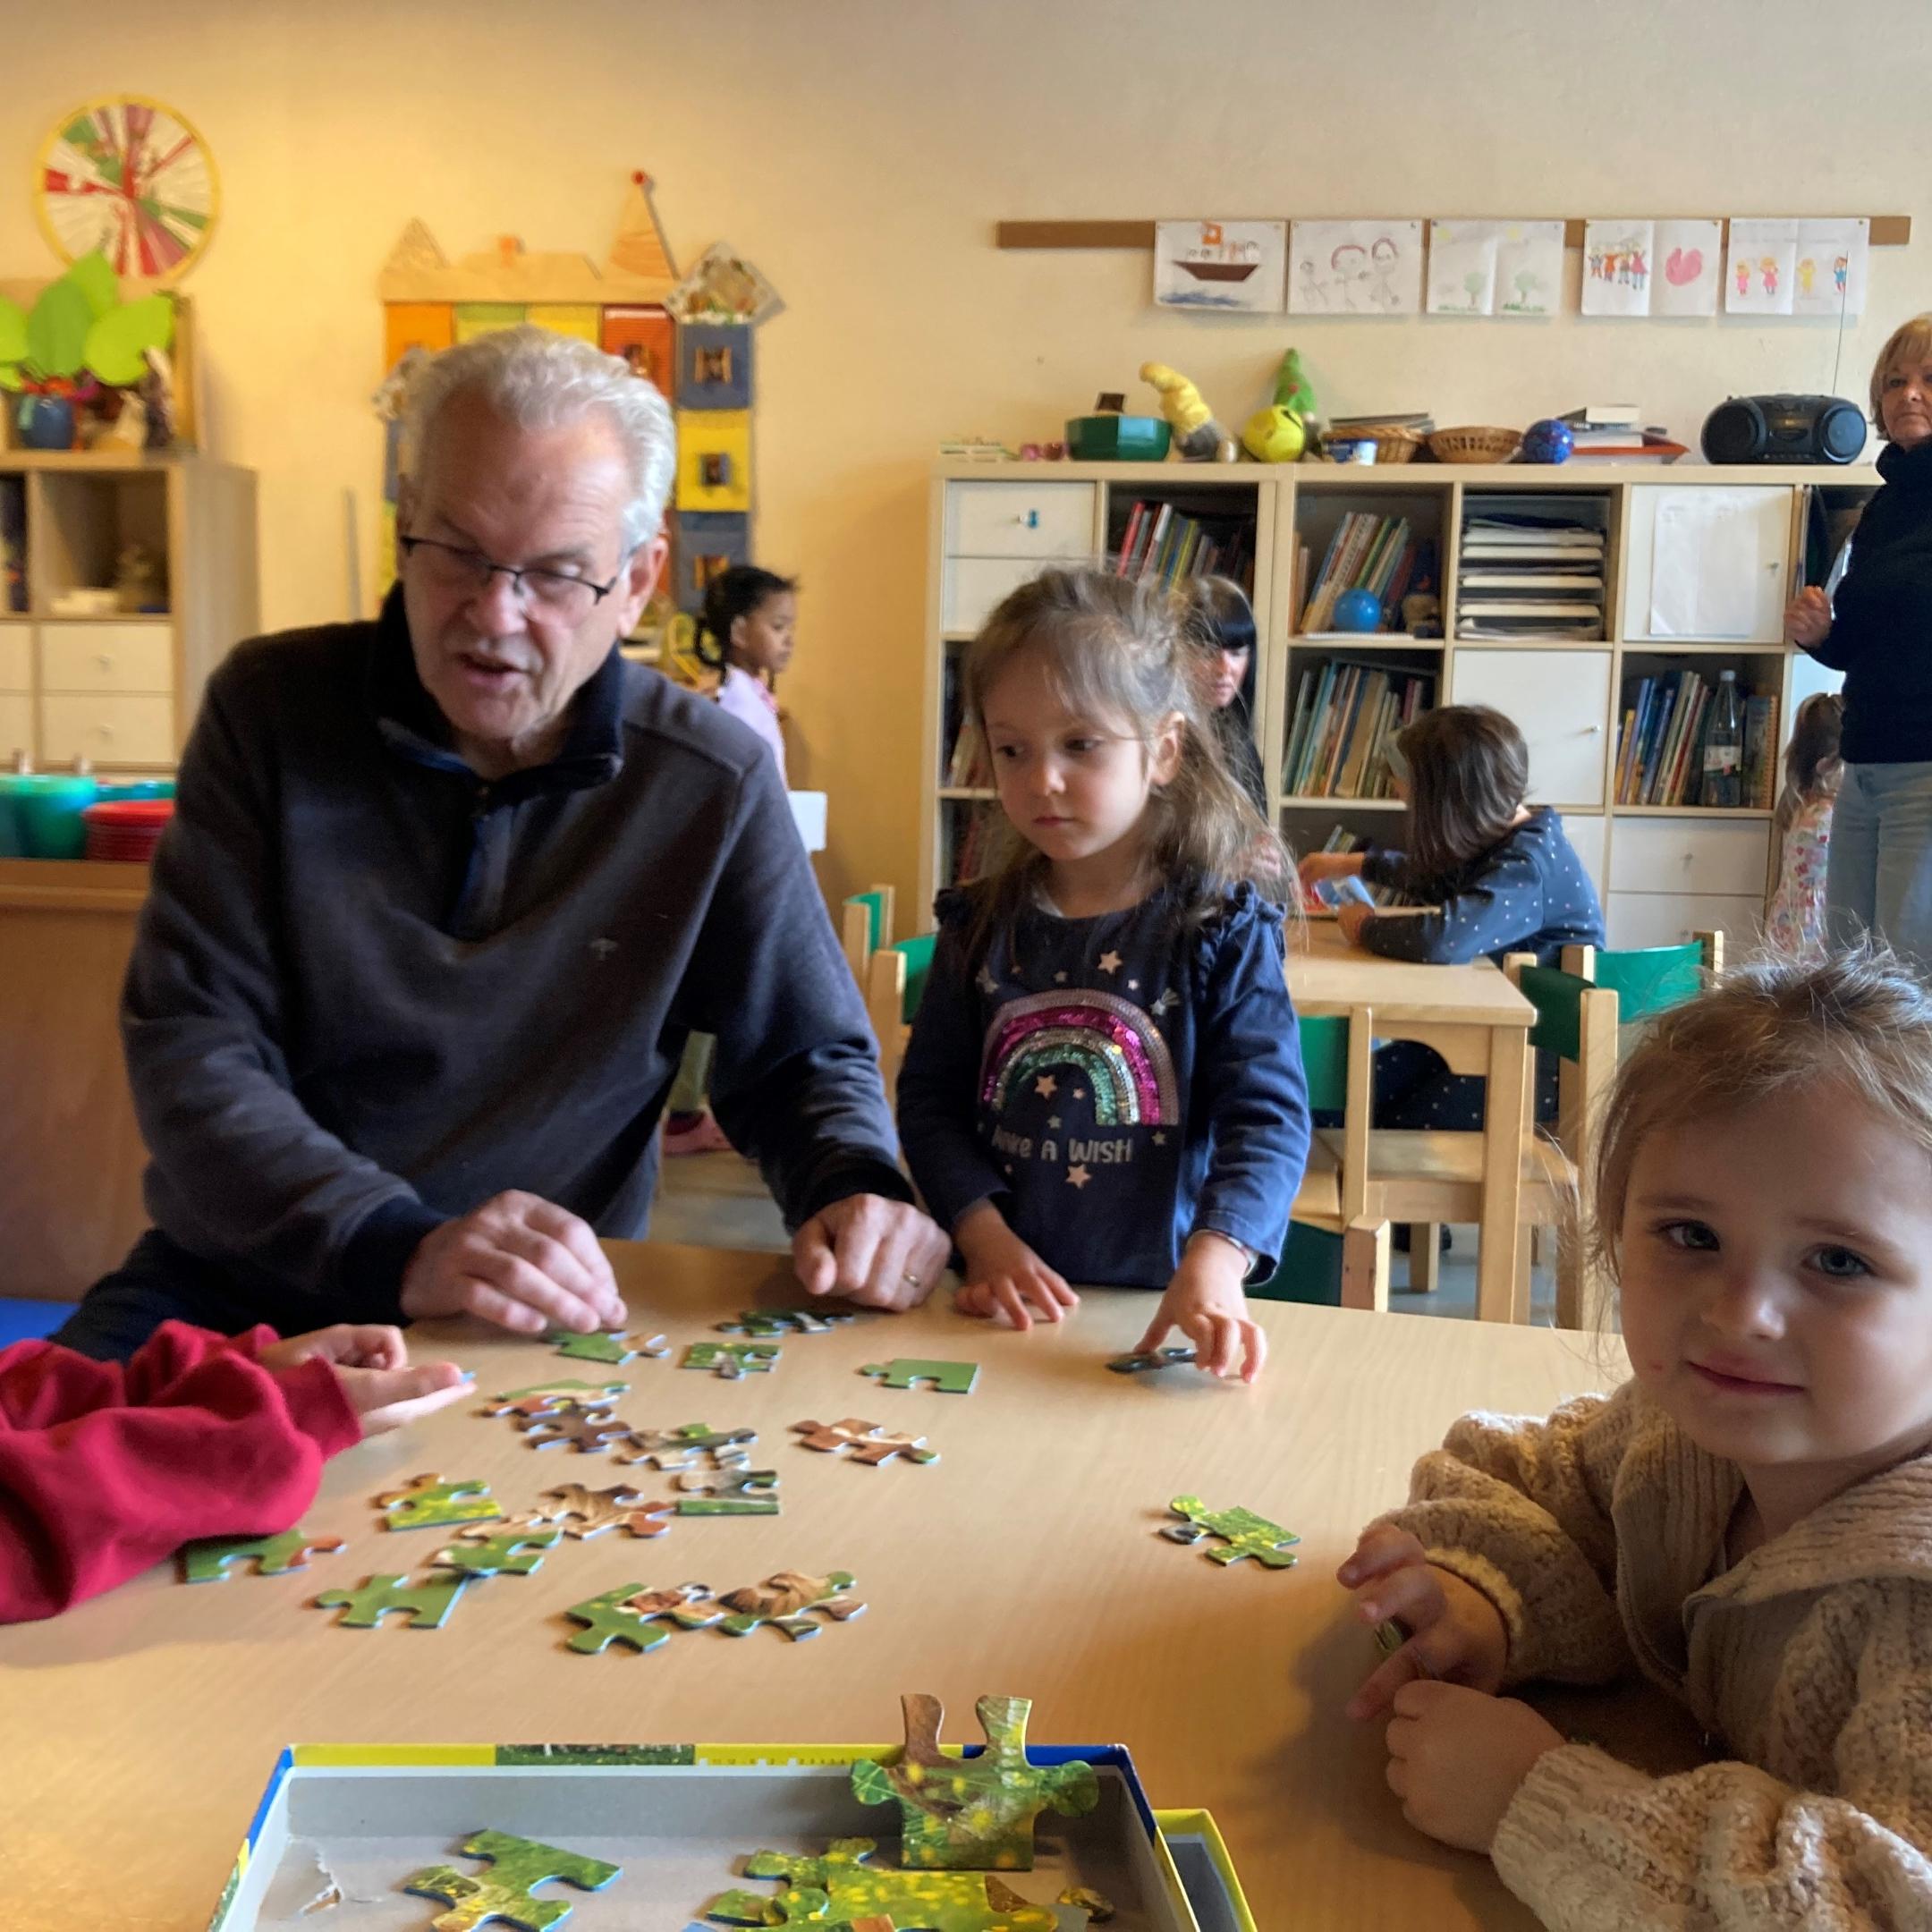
(519, 1261)
(870, 1250)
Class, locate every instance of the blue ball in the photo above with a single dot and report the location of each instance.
(1357, 610)
(1547, 442)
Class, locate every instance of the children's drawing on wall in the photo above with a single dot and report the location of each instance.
(1355, 267)
(1619, 264)
(1685, 267)
(1529, 268)
(1760, 266)
(1234, 267)
(1829, 275)
(1462, 268)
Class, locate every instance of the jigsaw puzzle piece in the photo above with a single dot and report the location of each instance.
(590, 1431)
(427, 1605)
(610, 1347)
(731, 1361)
(563, 1391)
(948, 1377)
(869, 1442)
(1165, 1358)
(610, 1619)
(768, 1324)
(863, 1895)
(429, 1503)
(513, 1552)
(590, 1512)
(208, 1561)
(728, 1492)
(501, 1894)
(687, 1445)
(1244, 1533)
(782, 1600)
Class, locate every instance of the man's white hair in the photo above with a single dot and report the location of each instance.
(538, 379)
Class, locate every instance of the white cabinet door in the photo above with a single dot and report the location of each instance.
(106, 658)
(1726, 856)
(1653, 918)
(1707, 562)
(1585, 831)
(110, 727)
(973, 585)
(1558, 699)
(16, 659)
(16, 725)
(1031, 520)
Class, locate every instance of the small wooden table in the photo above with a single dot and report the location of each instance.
(1479, 1023)
(140, 1728)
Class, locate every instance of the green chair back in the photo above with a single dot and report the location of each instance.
(1325, 1060)
(918, 954)
(1652, 979)
(1558, 999)
(1311, 1268)
(874, 904)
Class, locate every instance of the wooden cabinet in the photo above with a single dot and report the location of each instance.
(1707, 563)
(1559, 699)
(1000, 534)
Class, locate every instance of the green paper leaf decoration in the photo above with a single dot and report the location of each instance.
(96, 281)
(117, 340)
(57, 329)
(13, 333)
(9, 378)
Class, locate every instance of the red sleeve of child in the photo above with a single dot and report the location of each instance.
(105, 1470)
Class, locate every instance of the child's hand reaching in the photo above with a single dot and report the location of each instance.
(1457, 1757)
(1455, 1632)
(1003, 1277)
(371, 1362)
(1204, 1300)
(1318, 867)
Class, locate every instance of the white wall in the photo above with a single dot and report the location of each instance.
(859, 152)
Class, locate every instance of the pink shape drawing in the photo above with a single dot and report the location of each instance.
(1683, 266)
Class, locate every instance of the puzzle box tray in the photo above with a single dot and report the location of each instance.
(679, 1819)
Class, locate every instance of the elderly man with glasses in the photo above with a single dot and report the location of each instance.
(443, 895)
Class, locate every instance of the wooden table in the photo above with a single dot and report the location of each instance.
(1479, 1023)
(139, 1730)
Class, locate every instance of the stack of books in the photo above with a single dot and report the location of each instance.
(1529, 569)
(1614, 432)
(1660, 744)
(1345, 717)
(1165, 545)
(1368, 552)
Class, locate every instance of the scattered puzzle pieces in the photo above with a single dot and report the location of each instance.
(208, 1561)
(843, 1888)
(427, 1605)
(590, 1512)
(563, 1392)
(766, 1324)
(629, 1614)
(731, 1361)
(1245, 1533)
(515, 1551)
(965, 1814)
(1165, 1358)
(782, 1600)
(687, 1445)
(590, 1431)
(501, 1894)
(429, 1503)
(728, 1492)
(613, 1346)
(868, 1441)
(949, 1377)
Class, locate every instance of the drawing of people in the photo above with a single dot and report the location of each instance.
(1768, 270)
(1840, 269)
(1806, 273)
(1350, 265)
(1640, 268)
(1595, 262)
(1382, 291)
(1743, 279)
(1313, 295)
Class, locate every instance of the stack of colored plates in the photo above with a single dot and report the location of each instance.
(126, 831)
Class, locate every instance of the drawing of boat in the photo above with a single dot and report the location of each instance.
(1220, 270)
(1217, 259)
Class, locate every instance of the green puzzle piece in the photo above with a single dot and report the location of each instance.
(728, 1492)
(628, 1614)
(568, 1390)
(731, 1359)
(596, 1348)
(512, 1553)
(427, 1605)
(830, 1891)
(973, 1814)
(503, 1894)
(684, 1447)
(1246, 1534)
(766, 1324)
(427, 1503)
(782, 1601)
(949, 1377)
(208, 1561)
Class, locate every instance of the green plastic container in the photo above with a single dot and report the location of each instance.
(41, 815)
(1117, 438)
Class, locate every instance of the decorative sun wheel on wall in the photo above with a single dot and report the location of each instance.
(131, 177)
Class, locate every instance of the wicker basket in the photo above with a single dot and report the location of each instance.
(1393, 444)
(1474, 444)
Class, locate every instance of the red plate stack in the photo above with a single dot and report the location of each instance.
(126, 831)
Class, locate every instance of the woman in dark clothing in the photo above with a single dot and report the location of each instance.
(1220, 624)
(1878, 632)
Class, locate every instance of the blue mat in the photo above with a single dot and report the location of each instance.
(27, 1321)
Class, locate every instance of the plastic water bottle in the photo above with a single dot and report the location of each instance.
(1724, 746)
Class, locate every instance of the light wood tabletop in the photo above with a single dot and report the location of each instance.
(139, 1730)
(1327, 975)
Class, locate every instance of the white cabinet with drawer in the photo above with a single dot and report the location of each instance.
(16, 727)
(1730, 856)
(997, 535)
(1558, 699)
(1651, 918)
(16, 659)
(1707, 562)
(975, 585)
(110, 728)
(1585, 831)
(106, 658)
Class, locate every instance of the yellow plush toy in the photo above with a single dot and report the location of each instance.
(1277, 434)
(1198, 437)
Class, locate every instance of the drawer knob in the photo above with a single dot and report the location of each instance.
(105, 659)
(1031, 520)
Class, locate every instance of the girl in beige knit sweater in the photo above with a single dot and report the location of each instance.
(1750, 1519)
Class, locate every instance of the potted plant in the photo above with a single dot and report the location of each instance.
(79, 339)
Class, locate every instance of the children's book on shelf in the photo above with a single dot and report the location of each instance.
(1346, 715)
(1382, 555)
(1166, 545)
(1663, 733)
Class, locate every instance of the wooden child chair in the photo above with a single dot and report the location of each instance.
(895, 984)
(865, 925)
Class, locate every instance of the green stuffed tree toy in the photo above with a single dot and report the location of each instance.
(80, 337)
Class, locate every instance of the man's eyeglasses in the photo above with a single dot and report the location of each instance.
(456, 567)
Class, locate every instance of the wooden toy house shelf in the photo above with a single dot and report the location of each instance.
(119, 690)
(1663, 871)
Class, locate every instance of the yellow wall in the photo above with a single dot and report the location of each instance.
(859, 151)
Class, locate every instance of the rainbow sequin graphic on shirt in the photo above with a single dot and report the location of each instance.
(1110, 1040)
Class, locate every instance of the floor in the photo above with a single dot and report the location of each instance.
(718, 1201)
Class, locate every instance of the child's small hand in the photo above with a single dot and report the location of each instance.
(1204, 1300)
(371, 1362)
(1455, 1633)
(1808, 617)
(1352, 915)
(1318, 866)
(1003, 1277)
(1457, 1755)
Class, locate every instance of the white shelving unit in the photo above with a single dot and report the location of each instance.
(1664, 871)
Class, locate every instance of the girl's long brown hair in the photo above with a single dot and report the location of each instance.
(1114, 649)
(1812, 768)
(1467, 777)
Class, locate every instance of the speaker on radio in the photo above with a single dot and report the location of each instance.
(1784, 428)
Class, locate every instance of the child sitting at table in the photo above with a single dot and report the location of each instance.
(105, 1467)
(1749, 1519)
(1103, 1079)
(1497, 875)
